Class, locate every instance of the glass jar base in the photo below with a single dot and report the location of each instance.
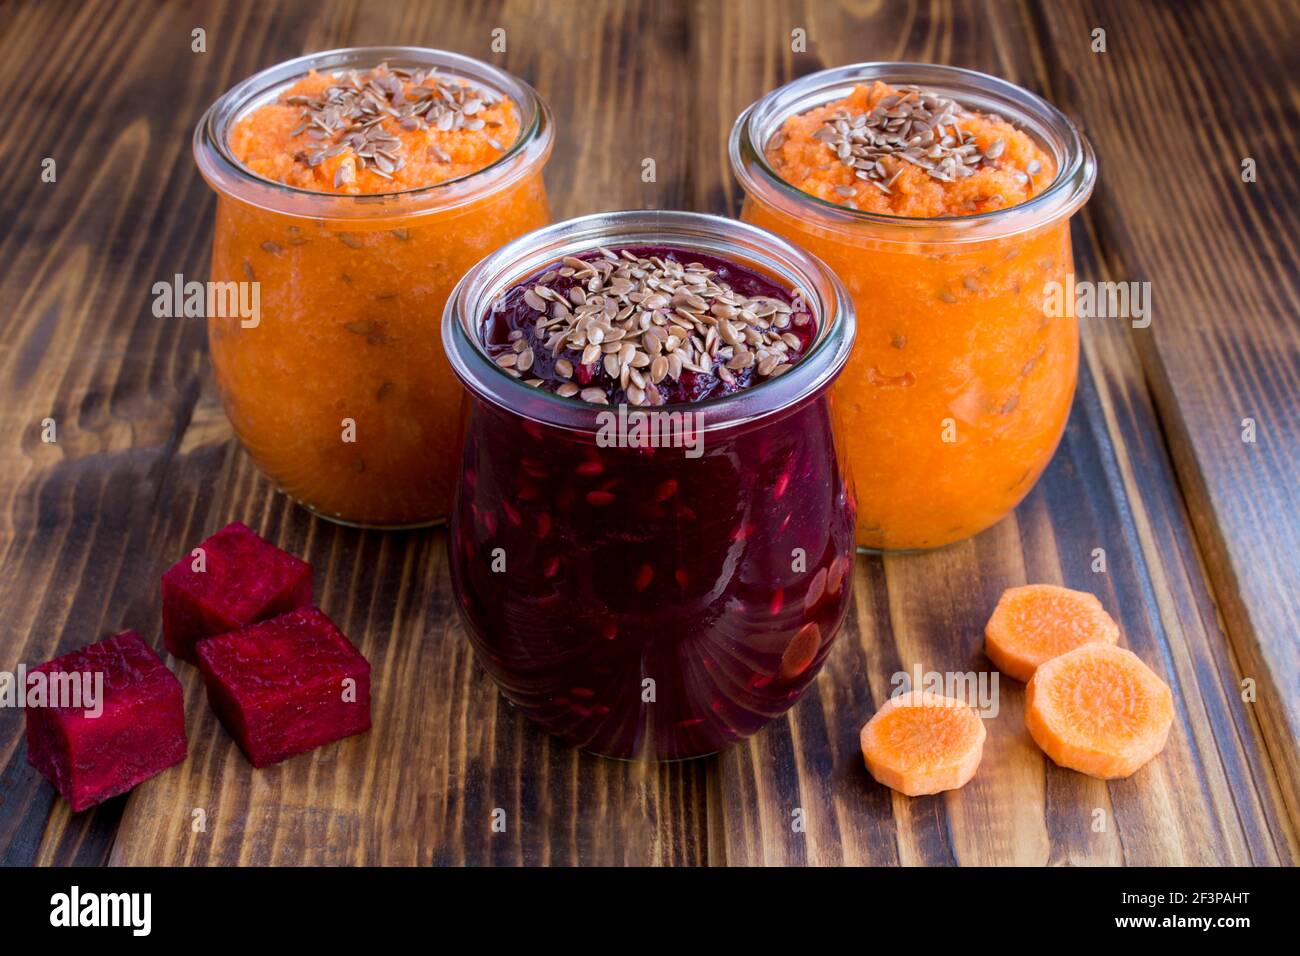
(643, 755)
(438, 522)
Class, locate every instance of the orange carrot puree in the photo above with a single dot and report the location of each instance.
(264, 140)
(351, 308)
(959, 387)
(806, 162)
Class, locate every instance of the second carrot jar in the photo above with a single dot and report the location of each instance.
(941, 197)
(355, 187)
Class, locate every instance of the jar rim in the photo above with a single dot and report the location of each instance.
(827, 299)
(227, 175)
(1076, 164)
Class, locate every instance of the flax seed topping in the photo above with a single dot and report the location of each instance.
(908, 152)
(373, 131)
(647, 327)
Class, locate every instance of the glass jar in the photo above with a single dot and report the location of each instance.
(340, 391)
(960, 382)
(652, 601)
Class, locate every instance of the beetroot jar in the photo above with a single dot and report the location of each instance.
(652, 534)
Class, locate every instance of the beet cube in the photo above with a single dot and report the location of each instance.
(246, 579)
(133, 731)
(287, 685)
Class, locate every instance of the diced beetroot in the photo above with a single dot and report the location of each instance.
(287, 685)
(245, 579)
(139, 732)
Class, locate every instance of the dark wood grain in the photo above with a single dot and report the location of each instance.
(1221, 256)
(1200, 534)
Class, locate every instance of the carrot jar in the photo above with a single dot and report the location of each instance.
(354, 188)
(941, 197)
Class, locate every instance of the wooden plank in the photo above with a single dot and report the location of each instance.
(1211, 797)
(1220, 254)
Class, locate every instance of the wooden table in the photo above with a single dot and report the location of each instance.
(1201, 530)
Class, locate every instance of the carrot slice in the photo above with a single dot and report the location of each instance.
(1099, 710)
(921, 743)
(1037, 622)
(801, 651)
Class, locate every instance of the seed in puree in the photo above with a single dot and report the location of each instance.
(907, 152)
(377, 131)
(647, 326)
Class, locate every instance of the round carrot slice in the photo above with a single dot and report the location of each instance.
(1037, 622)
(921, 743)
(801, 651)
(1099, 710)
